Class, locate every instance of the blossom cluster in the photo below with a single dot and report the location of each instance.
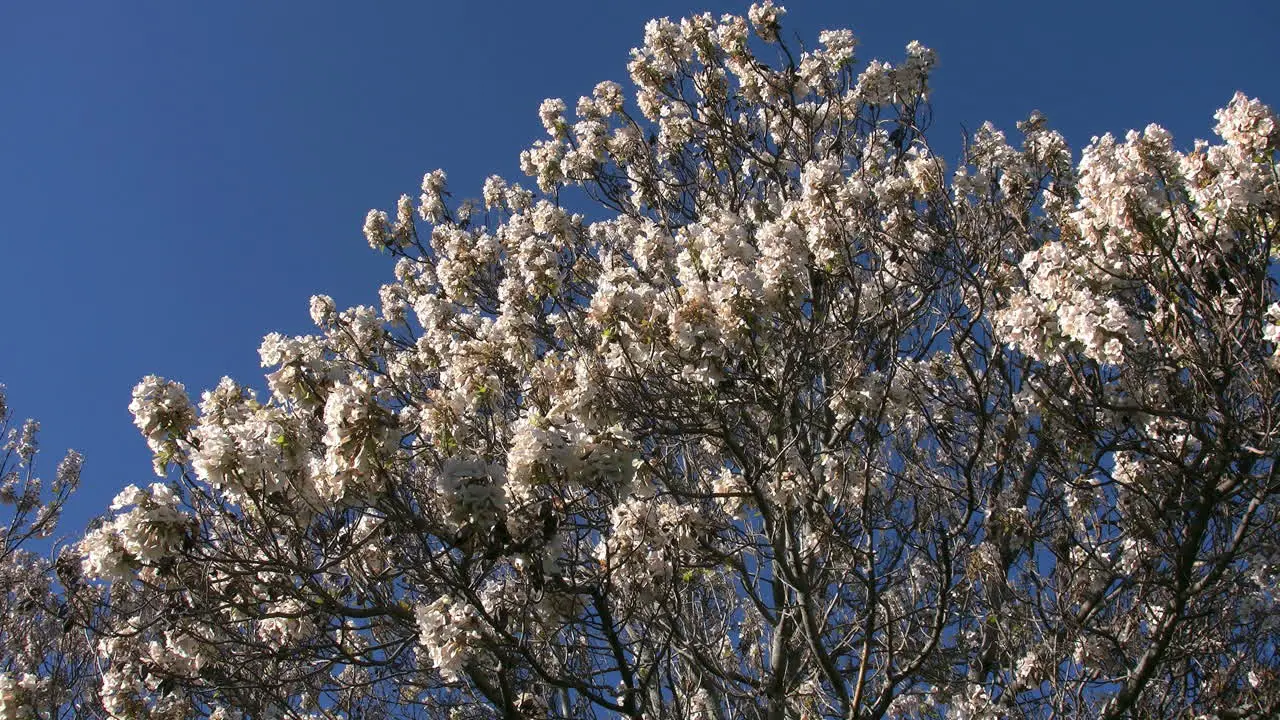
(154, 529)
(446, 630)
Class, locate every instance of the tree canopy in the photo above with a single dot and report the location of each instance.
(47, 667)
(749, 406)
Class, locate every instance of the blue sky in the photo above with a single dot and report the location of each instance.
(176, 179)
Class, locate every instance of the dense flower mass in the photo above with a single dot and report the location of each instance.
(17, 696)
(790, 419)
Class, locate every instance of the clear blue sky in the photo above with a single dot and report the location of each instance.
(176, 179)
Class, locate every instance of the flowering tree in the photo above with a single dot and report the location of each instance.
(788, 421)
(47, 667)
